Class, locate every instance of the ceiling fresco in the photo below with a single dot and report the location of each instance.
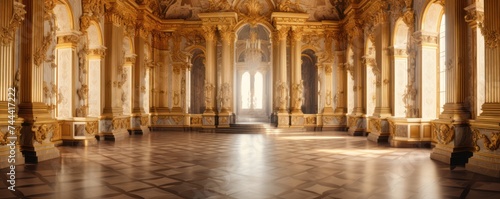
(189, 9)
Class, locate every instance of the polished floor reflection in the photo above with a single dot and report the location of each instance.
(207, 165)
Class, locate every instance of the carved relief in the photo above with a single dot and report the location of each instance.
(196, 120)
(392, 128)
(298, 91)
(218, 5)
(225, 95)
(92, 128)
(208, 94)
(375, 125)
(443, 133)
(41, 132)
(492, 143)
(310, 120)
(282, 88)
(144, 120)
(288, 6)
(7, 33)
(491, 37)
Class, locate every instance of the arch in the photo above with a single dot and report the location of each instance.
(128, 46)
(197, 82)
(309, 73)
(311, 48)
(64, 17)
(94, 35)
(431, 17)
(192, 49)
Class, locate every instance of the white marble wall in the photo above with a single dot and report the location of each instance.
(94, 96)
(350, 94)
(127, 90)
(429, 83)
(65, 83)
(371, 91)
(145, 92)
(400, 82)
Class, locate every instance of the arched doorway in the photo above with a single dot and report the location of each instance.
(253, 74)
(197, 102)
(310, 78)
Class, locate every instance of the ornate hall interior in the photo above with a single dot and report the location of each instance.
(250, 98)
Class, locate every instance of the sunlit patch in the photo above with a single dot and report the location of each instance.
(289, 133)
(354, 151)
(311, 137)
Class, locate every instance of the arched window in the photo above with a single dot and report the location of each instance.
(245, 91)
(258, 90)
(442, 63)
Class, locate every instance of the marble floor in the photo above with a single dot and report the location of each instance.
(208, 165)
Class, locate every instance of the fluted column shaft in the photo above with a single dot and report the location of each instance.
(382, 42)
(276, 64)
(210, 63)
(138, 72)
(456, 61)
(297, 84)
(113, 40)
(31, 63)
(282, 71)
(359, 109)
(226, 85)
(491, 32)
(6, 54)
(341, 105)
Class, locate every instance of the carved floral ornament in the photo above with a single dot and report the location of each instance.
(492, 143)
(491, 37)
(92, 127)
(7, 33)
(444, 133)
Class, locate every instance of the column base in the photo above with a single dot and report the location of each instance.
(334, 122)
(15, 159)
(169, 121)
(208, 120)
(40, 152)
(283, 120)
(14, 151)
(356, 125)
(297, 120)
(453, 142)
(139, 124)
(224, 119)
(450, 155)
(114, 128)
(36, 140)
(486, 143)
(379, 129)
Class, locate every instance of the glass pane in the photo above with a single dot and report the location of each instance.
(258, 87)
(245, 91)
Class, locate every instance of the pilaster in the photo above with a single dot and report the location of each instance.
(138, 73)
(297, 91)
(113, 80)
(378, 124)
(208, 120)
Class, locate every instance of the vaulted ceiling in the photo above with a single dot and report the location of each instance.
(189, 9)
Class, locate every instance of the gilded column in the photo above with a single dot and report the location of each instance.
(340, 96)
(356, 121)
(379, 131)
(282, 85)
(485, 130)
(297, 91)
(475, 18)
(139, 119)
(451, 129)
(276, 63)
(225, 90)
(113, 124)
(210, 76)
(38, 126)
(11, 16)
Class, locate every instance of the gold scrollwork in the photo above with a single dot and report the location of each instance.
(91, 127)
(492, 143)
(443, 133)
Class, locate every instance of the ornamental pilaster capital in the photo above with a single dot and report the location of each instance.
(112, 14)
(209, 32)
(409, 18)
(282, 32)
(474, 16)
(98, 52)
(226, 32)
(72, 38)
(297, 33)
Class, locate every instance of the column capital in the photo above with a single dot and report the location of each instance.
(474, 15)
(298, 32)
(209, 32)
(99, 52)
(282, 32)
(72, 38)
(226, 32)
